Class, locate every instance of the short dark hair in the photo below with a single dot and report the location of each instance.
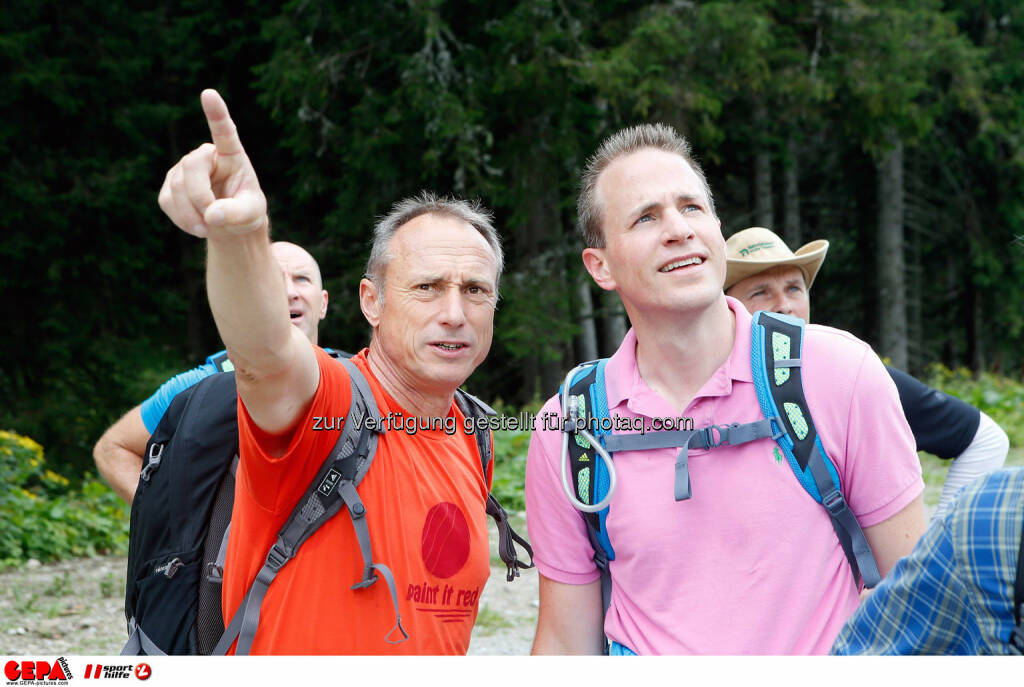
(624, 142)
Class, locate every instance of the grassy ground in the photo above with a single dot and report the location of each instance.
(935, 469)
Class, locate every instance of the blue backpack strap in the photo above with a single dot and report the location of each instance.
(589, 478)
(221, 362)
(584, 401)
(776, 342)
(592, 481)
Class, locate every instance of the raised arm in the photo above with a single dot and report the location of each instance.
(213, 192)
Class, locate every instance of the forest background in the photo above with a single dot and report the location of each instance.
(892, 129)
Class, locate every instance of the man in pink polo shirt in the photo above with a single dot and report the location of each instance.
(750, 562)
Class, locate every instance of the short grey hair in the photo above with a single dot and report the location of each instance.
(619, 144)
(408, 209)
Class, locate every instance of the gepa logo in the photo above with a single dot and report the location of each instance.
(36, 672)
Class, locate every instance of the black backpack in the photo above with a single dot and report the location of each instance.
(180, 519)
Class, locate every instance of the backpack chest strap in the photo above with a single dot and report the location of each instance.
(706, 438)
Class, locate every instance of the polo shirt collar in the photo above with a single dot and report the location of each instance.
(624, 383)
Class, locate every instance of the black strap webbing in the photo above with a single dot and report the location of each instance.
(507, 539)
(473, 408)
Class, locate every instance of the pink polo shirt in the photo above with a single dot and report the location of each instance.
(750, 564)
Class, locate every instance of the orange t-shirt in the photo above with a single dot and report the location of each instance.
(425, 508)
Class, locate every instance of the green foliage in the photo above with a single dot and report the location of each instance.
(108, 586)
(345, 108)
(510, 449)
(61, 586)
(24, 603)
(1001, 398)
(489, 621)
(43, 517)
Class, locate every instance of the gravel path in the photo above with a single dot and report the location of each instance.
(76, 607)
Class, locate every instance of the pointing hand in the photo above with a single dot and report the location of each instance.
(214, 188)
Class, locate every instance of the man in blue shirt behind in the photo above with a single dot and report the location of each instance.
(119, 451)
(954, 594)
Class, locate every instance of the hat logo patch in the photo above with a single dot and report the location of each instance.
(754, 247)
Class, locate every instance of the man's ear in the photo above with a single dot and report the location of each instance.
(370, 301)
(596, 264)
(323, 304)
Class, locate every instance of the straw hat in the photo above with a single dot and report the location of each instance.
(757, 249)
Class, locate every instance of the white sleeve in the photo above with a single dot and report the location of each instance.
(986, 452)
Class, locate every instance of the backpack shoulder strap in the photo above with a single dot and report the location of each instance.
(776, 342)
(475, 411)
(587, 435)
(585, 400)
(590, 482)
(221, 362)
(473, 408)
(333, 487)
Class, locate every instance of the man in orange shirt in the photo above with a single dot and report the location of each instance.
(429, 296)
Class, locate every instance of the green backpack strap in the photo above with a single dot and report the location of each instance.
(476, 411)
(776, 342)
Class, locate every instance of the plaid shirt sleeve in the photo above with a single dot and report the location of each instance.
(954, 593)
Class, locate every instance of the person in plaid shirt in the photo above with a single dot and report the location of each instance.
(954, 594)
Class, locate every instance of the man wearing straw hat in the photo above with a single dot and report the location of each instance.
(764, 274)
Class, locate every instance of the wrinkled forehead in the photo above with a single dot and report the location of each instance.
(648, 175)
(433, 240)
(783, 274)
(775, 276)
(294, 259)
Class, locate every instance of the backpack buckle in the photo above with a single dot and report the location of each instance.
(707, 435)
(153, 461)
(369, 577)
(214, 573)
(277, 557)
(834, 502)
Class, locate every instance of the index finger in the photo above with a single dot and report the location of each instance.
(222, 129)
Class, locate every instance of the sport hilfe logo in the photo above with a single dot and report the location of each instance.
(33, 671)
(123, 671)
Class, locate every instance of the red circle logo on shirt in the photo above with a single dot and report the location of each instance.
(445, 543)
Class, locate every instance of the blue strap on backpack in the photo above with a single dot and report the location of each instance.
(588, 443)
(776, 342)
